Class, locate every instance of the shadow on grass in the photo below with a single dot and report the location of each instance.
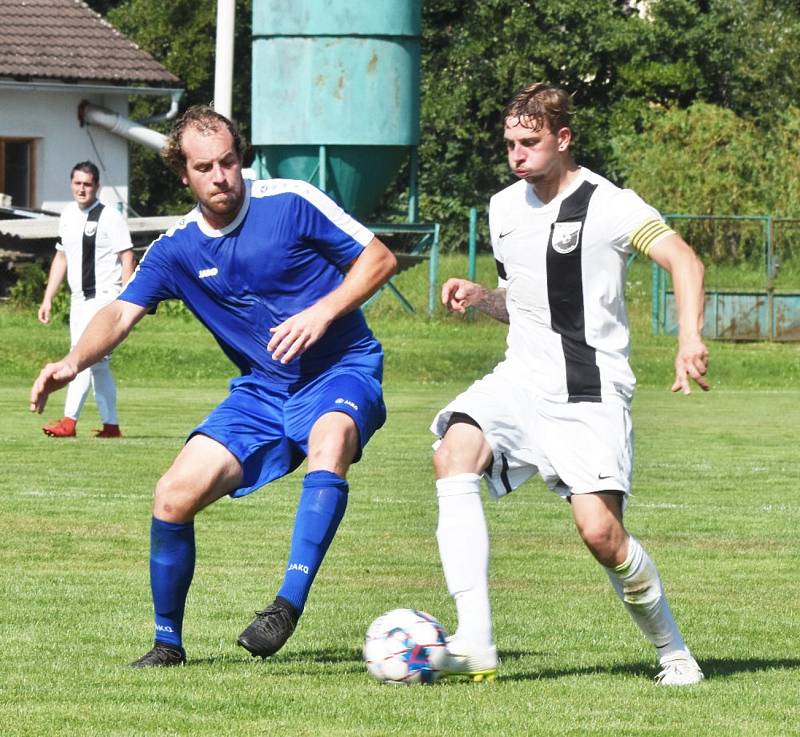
(348, 660)
(343, 660)
(712, 668)
(141, 437)
(722, 667)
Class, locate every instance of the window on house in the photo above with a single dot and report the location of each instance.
(16, 170)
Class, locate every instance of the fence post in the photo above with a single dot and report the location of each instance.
(433, 269)
(768, 225)
(413, 194)
(472, 268)
(472, 253)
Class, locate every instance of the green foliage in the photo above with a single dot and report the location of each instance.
(703, 159)
(180, 34)
(713, 80)
(710, 505)
(175, 308)
(706, 159)
(627, 73)
(475, 56)
(748, 55)
(781, 164)
(172, 346)
(27, 292)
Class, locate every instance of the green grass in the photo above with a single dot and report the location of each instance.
(716, 503)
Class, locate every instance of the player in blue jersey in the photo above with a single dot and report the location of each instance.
(276, 271)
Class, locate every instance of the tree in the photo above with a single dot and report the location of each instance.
(630, 74)
(625, 70)
(704, 159)
(739, 54)
(475, 56)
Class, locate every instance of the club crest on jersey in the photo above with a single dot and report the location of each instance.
(566, 236)
(90, 228)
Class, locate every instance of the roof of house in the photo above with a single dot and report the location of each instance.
(66, 40)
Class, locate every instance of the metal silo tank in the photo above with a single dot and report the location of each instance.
(336, 93)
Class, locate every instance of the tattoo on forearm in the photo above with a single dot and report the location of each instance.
(493, 303)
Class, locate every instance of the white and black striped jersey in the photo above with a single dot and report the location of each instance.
(92, 240)
(563, 266)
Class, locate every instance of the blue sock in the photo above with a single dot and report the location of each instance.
(321, 508)
(172, 554)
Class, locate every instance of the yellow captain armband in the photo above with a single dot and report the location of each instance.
(650, 231)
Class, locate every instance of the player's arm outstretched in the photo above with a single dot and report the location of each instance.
(458, 294)
(673, 254)
(108, 328)
(370, 271)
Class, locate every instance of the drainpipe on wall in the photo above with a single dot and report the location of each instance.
(89, 114)
(175, 98)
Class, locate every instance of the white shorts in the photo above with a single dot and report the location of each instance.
(81, 312)
(577, 448)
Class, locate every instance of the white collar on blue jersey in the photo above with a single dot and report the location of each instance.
(213, 232)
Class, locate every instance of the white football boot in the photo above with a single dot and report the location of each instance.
(466, 660)
(679, 669)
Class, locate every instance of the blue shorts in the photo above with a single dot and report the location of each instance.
(267, 428)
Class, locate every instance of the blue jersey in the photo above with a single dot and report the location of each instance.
(288, 247)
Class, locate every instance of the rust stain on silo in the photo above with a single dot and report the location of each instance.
(339, 87)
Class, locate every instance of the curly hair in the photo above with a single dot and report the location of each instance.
(204, 119)
(541, 104)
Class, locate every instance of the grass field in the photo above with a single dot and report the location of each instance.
(717, 503)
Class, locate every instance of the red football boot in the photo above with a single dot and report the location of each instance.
(63, 428)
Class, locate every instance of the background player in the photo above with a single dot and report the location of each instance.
(559, 403)
(94, 252)
(276, 271)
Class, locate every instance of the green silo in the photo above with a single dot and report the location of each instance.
(336, 94)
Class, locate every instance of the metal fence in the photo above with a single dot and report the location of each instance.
(752, 276)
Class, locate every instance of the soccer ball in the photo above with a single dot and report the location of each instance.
(405, 646)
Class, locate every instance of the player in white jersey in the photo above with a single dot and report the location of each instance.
(559, 403)
(94, 252)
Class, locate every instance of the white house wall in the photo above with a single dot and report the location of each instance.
(52, 119)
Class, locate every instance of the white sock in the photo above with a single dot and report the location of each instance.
(77, 391)
(639, 587)
(464, 549)
(105, 391)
